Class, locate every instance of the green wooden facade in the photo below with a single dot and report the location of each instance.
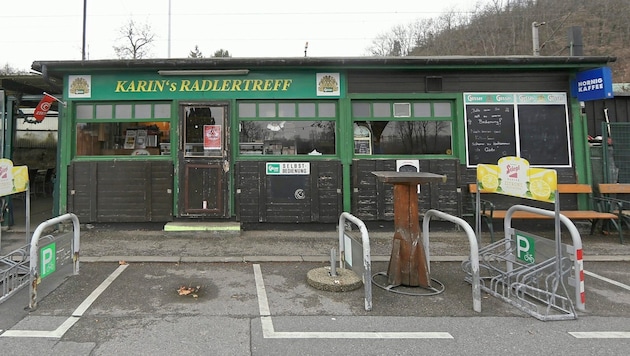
(105, 95)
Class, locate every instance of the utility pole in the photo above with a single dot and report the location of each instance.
(169, 29)
(535, 41)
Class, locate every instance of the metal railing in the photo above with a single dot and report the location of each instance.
(34, 261)
(345, 254)
(474, 249)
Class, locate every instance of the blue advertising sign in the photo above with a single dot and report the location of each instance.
(594, 84)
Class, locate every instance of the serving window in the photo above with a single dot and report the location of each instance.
(114, 129)
(287, 128)
(403, 127)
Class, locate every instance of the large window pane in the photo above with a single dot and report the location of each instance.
(118, 138)
(411, 137)
(287, 137)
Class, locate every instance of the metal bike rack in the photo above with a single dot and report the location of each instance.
(474, 249)
(60, 255)
(535, 282)
(14, 272)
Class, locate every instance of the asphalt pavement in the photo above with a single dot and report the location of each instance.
(251, 296)
(149, 242)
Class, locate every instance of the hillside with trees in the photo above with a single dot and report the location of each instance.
(504, 28)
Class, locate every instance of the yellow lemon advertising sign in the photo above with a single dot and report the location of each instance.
(12, 179)
(512, 176)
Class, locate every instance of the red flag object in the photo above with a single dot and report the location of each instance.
(42, 108)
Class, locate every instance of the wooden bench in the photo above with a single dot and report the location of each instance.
(609, 201)
(488, 212)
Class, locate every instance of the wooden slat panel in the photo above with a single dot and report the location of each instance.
(129, 191)
(615, 188)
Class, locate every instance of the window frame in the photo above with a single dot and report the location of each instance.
(238, 154)
(114, 120)
(361, 120)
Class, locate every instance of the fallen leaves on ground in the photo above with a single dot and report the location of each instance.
(192, 291)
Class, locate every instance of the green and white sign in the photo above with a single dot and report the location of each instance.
(525, 249)
(47, 260)
(288, 168)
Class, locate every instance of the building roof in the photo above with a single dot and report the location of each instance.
(28, 84)
(57, 69)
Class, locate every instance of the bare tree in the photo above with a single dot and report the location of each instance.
(503, 28)
(399, 42)
(7, 69)
(137, 40)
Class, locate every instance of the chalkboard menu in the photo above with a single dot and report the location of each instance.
(533, 126)
(543, 134)
(490, 133)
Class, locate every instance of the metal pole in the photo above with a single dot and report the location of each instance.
(169, 29)
(535, 40)
(84, 22)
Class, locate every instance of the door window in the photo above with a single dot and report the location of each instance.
(204, 130)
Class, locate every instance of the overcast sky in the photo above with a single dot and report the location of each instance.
(53, 30)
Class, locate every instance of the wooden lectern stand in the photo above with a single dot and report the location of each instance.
(408, 262)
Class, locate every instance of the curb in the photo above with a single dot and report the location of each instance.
(293, 258)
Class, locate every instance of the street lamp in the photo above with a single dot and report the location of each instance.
(535, 43)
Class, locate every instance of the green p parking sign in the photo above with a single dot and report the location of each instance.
(525, 248)
(47, 260)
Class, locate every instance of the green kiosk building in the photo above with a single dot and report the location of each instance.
(294, 140)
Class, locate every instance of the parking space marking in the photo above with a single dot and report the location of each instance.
(611, 281)
(76, 315)
(270, 333)
(601, 335)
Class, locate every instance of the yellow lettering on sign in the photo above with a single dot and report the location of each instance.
(207, 85)
(203, 85)
(226, 85)
(185, 86)
(236, 85)
(120, 86)
(287, 84)
(257, 85)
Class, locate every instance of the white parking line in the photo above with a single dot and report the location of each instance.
(601, 335)
(76, 315)
(611, 281)
(270, 333)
